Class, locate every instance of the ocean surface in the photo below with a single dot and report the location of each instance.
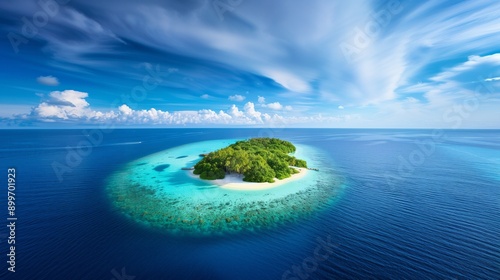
(412, 204)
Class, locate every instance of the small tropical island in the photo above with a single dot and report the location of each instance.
(258, 160)
(161, 191)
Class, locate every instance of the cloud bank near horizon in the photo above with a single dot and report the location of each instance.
(390, 63)
(71, 106)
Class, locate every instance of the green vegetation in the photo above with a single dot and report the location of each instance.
(258, 159)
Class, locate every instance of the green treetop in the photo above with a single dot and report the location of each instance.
(258, 159)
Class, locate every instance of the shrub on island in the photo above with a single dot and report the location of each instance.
(258, 159)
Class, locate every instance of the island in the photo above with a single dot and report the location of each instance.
(258, 160)
(154, 192)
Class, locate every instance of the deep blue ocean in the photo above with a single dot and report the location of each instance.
(416, 204)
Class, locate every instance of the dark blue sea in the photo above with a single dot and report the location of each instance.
(415, 204)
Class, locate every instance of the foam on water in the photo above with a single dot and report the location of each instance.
(154, 190)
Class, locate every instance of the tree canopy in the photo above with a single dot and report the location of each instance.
(258, 159)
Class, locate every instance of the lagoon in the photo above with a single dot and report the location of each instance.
(180, 203)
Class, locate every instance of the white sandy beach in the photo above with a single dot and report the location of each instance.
(235, 181)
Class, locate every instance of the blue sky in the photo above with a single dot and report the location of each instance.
(220, 63)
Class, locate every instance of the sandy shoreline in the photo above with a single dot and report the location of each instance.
(235, 181)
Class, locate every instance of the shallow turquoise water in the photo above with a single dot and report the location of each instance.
(154, 190)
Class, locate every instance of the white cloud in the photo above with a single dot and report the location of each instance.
(127, 111)
(464, 81)
(274, 106)
(457, 97)
(341, 107)
(250, 111)
(71, 106)
(459, 82)
(492, 79)
(288, 80)
(205, 96)
(411, 42)
(74, 98)
(475, 65)
(261, 100)
(237, 98)
(63, 105)
(48, 80)
(235, 112)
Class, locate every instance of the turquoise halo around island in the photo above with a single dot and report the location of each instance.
(156, 191)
